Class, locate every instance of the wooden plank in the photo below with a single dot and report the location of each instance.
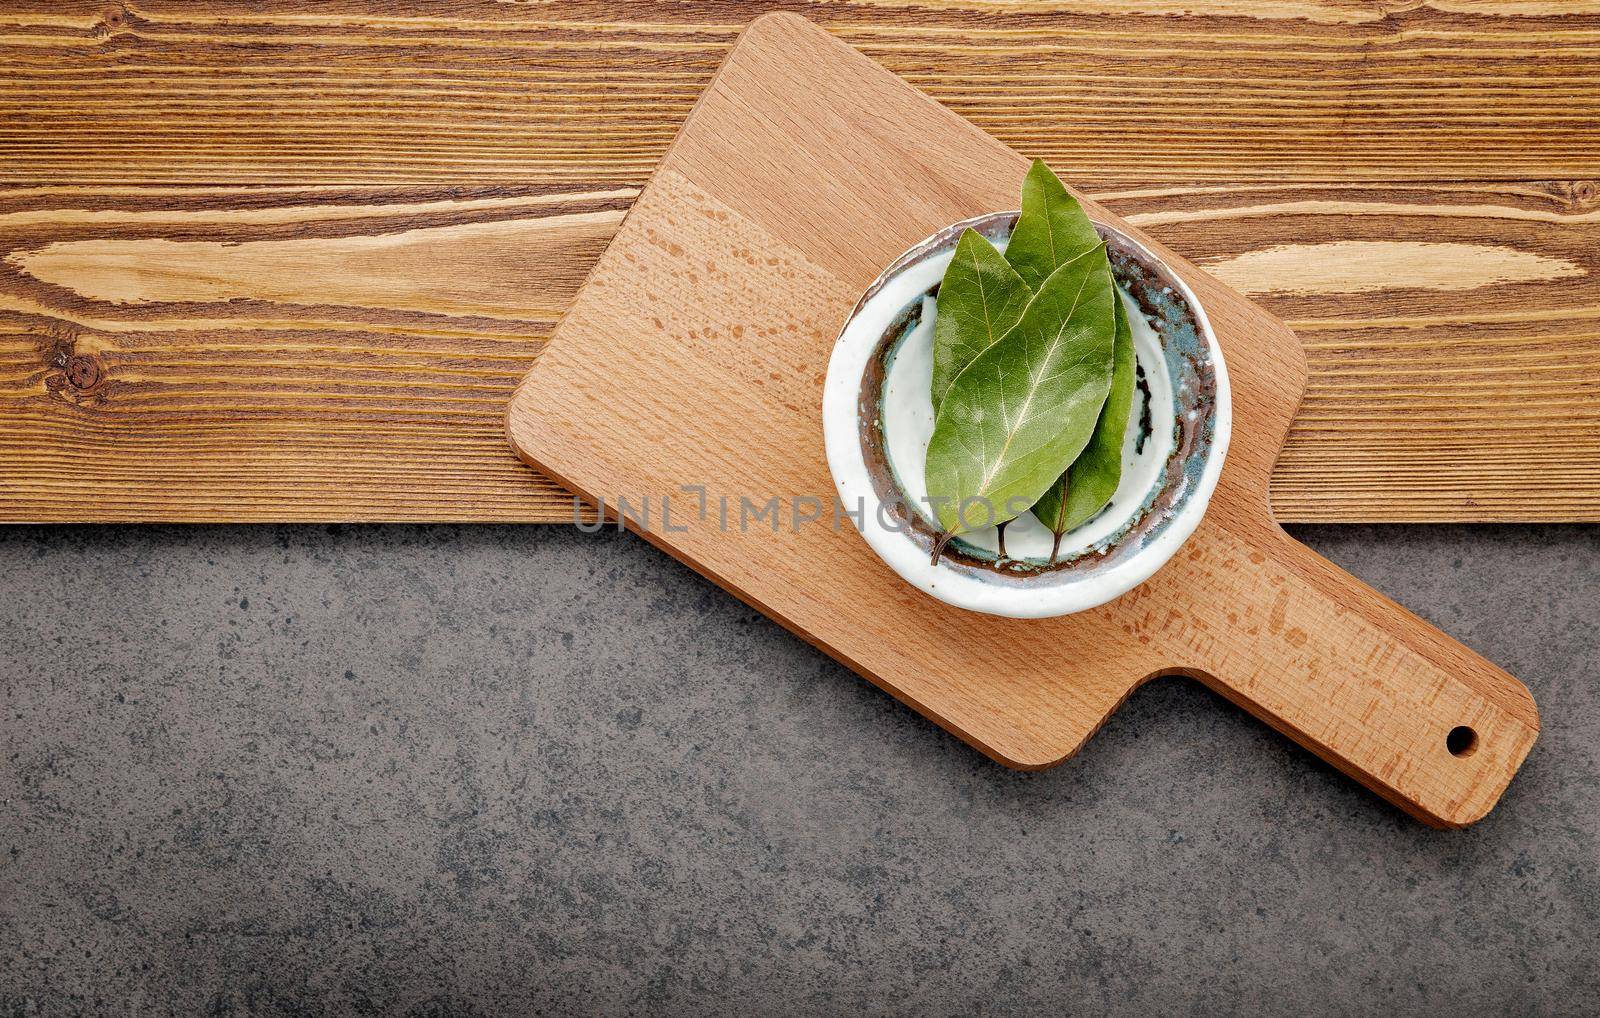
(263, 354)
(324, 375)
(346, 353)
(1131, 91)
(727, 240)
(1453, 335)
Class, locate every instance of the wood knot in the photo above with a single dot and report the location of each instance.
(114, 18)
(80, 377)
(83, 371)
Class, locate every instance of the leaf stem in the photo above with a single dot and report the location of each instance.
(938, 546)
(1061, 512)
(1001, 537)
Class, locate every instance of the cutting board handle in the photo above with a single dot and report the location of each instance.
(1355, 678)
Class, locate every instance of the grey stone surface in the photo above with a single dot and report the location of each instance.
(447, 771)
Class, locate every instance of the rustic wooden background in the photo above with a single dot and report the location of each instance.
(287, 262)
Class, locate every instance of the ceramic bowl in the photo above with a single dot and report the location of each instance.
(877, 417)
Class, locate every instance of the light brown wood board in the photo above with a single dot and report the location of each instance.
(694, 357)
(288, 262)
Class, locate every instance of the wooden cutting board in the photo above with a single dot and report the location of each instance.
(693, 358)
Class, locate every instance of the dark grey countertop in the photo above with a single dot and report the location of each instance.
(449, 770)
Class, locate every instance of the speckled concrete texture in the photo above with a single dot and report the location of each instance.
(463, 771)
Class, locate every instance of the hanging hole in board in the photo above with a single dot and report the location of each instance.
(1461, 741)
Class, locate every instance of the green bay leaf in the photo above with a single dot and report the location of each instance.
(1052, 230)
(980, 299)
(1087, 486)
(1023, 409)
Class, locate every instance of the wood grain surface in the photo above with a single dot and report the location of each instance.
(289, 263)
(646, 390)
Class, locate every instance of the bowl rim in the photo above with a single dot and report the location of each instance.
(847, 363)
